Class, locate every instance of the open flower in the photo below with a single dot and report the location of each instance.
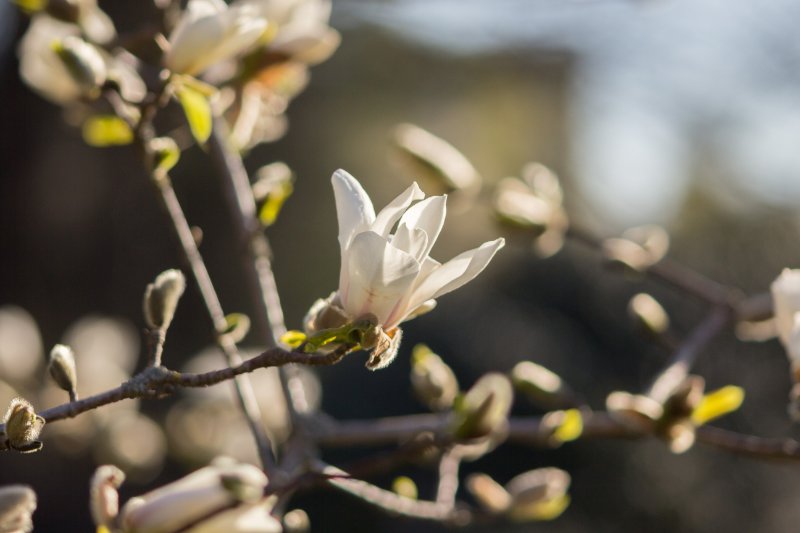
(389, 277)
(210, 32)
(299, 28)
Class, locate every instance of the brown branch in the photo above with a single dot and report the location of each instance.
(156, 382)
(684, 358)
(674, 274)
(392, 502)
(447, 488)
(144, 133)
(759, 447)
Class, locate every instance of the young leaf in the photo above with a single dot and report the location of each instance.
(197, 110)
(106, 130)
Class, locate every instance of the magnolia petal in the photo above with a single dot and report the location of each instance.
(455, 273)
(412, 241)
(379, 276)
(353, 206)
(786, 298)
(428, 215)
(243, 27)
(192, 40)
(248, 518)
(390, 214)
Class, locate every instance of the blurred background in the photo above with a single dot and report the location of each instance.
(677, 112)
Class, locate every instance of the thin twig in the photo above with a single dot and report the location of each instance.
(682, 361)
(159, 381)
(391, 502)
(675, 274)
(144, 133)
(448, 477)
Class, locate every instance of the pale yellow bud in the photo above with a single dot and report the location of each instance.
(103, 496)
(62, 368)
(17, 503)
(484, 408)
(161, 298)
(433, 381)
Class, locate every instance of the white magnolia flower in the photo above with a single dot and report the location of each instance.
(786, 301)
(210, 32)
(390, 274)
(48, 74)
(193, 500)
(300, 28)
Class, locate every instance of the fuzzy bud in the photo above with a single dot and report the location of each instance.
(539, 494)
(648, 314)
(484, 408)
(384, 346)
(216, 487)
(161, 298)
(296, 521)
(433, 381)
(17, 503)
(62, 368)
(489, 493)
(23, 426)
(103, 496)
(83, 62)
(541, 385)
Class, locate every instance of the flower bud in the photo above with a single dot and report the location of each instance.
(648, 314)
(541, 385)
(638, 248)
(405, 487)
(636, 412)
(324, 314)
(296, 521)
(161, 298)
(216, 487)
(433, 381)
(83, 61)
(17, 503)
(62, 369)
(484, 408)
(23, 426)
(539, 494)
(103, 496)
(435, 159)
(534, 203)
(489, 493)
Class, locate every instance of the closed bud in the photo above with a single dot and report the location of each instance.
(534, 203)
(83, 61)
(648, 314)
(541, 385)
(17, 503)
(539, 494)
(433, 381)
(62, 369)
(484, 408)
(23, 426)
(435, 159)
(161, 298)
(192, 499)
(296, 521)
(404, 486)
(638, 248)
(103, 496)
(489, 493)
(636, 412)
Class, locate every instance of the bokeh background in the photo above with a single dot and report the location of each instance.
(684, 113)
